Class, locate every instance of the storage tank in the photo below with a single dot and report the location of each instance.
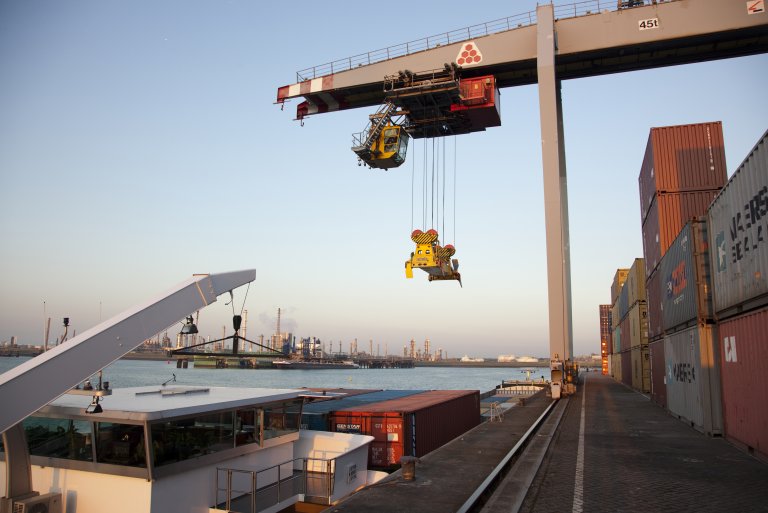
(738, 236)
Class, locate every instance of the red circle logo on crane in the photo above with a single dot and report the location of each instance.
(469, 54)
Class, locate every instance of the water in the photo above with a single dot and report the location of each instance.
(132, 373)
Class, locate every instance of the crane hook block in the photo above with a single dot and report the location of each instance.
(432, 258)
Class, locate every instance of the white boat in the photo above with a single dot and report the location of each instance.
(188, 449)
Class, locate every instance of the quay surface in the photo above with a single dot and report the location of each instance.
(626, 455)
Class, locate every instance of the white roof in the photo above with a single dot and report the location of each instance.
(159, 402)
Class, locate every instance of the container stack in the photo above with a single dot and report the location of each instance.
(605, 337)
(690, 341)
(738, 238)
(630, 328)
(682, 171)
(410, 426)
(614, 364)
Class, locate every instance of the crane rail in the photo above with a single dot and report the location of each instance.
(572, 10)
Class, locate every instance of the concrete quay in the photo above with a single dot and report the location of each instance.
(613, 451)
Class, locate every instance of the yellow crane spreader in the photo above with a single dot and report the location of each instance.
(432, 258)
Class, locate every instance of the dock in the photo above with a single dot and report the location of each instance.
(607, 448)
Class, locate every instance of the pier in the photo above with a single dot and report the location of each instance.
(605, 449)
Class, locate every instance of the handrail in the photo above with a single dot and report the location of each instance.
(572, 10)
(327, 467)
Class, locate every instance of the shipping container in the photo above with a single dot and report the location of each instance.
(669, 213)
(605, 330)
(619, 277)
(655, 320)
(635, 327)
(604, 364)
(682, 158)
(692, 360)
(641, 371)
(316, 415)
(615, 318)
(617, 339)
(623, 303)
(626, 367)
(636, 282)
(616, 366)
(658, 372)
(410, 426)
(744, 353)
(738, 236)
(685, 277)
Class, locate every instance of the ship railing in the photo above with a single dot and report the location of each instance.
(252, 491)
(572, 10)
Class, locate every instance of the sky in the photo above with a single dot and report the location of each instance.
(140, 144)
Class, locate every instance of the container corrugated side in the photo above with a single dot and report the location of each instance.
(641, 377)
(624, 303)
(744, 353)
(738, 236)
(668, 215)
(682, 158)
(316, 415)
(615, 318)
(693, 378)
(616, 366)
(636, 282)
(626, 367)
(619, 277)
(685, 276)
(617, 342)
(636, 327)
(658, 372)
(655, 320)
(413, 425)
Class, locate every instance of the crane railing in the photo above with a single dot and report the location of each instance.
(583, 8)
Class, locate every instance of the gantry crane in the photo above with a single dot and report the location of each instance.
(588, 38)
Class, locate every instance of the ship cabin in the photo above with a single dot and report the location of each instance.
(189, 448)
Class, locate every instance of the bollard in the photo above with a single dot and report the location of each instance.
(408, 464)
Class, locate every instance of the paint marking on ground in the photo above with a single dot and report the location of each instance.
(578, 487)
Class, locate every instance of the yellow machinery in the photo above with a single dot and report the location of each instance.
(432, 258)
(384, 143)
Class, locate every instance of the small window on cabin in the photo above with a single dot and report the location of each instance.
(247, 426)
(428, 252)
(281, 419)
(182, 439)
(120, 444)
(420, 252)
(59, 438)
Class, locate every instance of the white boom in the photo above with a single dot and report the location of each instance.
(35, 383)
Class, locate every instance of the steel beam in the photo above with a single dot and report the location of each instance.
(555, 189)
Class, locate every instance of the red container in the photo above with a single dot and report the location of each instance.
(682, 158)
(410, 426)
(606, 343)
(658, 372)
(655, 319)
(668, 214)
(744, 352)
(479, 102)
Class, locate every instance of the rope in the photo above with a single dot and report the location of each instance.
(454, 190)
(413, 174)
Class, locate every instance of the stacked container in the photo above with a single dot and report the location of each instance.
(682, 171)
(629, 360)
(605, 336)
(410, 426)
(617, 286)
(738, 236)
(316, 415)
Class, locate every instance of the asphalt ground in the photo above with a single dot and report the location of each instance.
(636, 457)
(447, 477)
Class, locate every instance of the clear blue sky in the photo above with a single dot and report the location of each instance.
(139, 144)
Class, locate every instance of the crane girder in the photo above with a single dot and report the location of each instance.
(590, 44)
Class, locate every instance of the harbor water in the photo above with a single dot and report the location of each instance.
(132, 373)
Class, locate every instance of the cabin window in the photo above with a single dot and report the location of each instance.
(59, 438)
(281, 419)
(247, 426)
(179, 440)
(120, 444)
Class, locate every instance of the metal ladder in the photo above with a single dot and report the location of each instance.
(362, 141)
